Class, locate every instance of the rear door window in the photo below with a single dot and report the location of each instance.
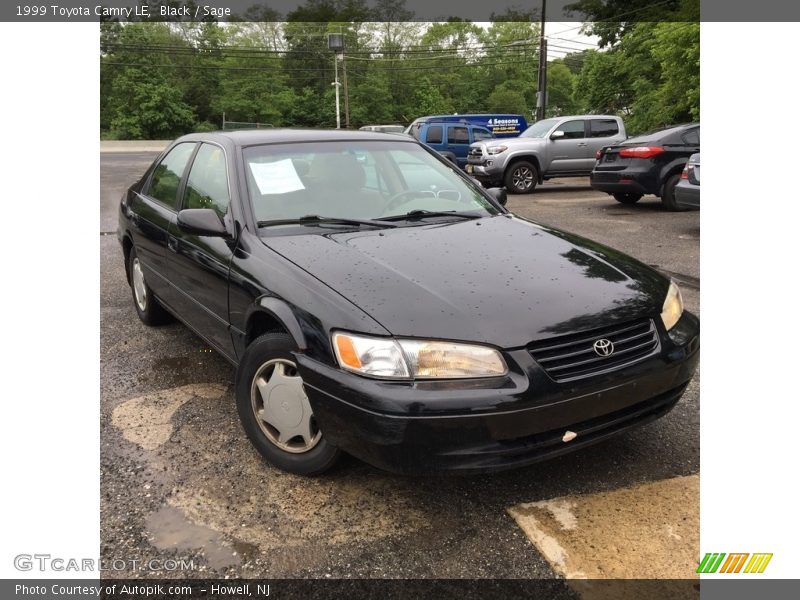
(599, 128)
(692, 137)
(167, 175)
(457, 135)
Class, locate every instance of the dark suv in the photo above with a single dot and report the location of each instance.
(451, 140)
(646, 164)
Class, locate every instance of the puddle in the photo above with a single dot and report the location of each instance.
(171, 530)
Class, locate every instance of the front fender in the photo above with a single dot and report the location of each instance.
(534, 157)
(282, 313)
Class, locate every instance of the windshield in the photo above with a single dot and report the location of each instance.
(359, 180)
(539, 129)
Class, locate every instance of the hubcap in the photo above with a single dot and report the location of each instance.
(522, 178)
(139, 289)
(281, 407)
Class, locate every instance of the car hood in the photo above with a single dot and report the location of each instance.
(499, 280)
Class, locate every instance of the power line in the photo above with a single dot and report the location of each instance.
(317, 70)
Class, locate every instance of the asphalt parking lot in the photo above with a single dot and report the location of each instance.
(180, 480)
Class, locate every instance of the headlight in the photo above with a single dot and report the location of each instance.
(673, 307)
(496, 149)
(418, 359)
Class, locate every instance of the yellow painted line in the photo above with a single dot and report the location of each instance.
(650, 531)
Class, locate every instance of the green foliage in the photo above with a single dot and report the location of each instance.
(505, 100)
(428, 100)
(560, 89)
(611, 20)
(160, 80)
(651, 77)
(152, 109)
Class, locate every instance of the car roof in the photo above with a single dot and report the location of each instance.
(658, 134)
(254, 137)
(583, 117)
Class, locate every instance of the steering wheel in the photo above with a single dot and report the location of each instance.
(397, 199)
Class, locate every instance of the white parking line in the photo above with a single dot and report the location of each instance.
(650, 531)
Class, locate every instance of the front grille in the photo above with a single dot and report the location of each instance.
(475, 152)
(574, 357)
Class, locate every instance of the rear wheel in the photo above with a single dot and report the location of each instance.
(668, 195)
(521, 177)
(146, 304)
(274, 409)
(627, 198)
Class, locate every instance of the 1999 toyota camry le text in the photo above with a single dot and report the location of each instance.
(376, 300)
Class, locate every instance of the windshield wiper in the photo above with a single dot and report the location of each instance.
(318, 220)
(420, 214)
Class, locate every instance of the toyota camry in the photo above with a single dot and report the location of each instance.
(375, 300)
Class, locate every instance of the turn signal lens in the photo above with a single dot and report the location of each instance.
(346, 350)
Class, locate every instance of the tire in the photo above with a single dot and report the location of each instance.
(627, 198)
(668, 195)
(269, 359)
(521, 177)
(144, 301)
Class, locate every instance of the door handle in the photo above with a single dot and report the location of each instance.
(582, 144)
(172, 244)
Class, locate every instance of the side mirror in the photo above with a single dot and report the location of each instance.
(201, 221)
(499, 194)
(556, 135)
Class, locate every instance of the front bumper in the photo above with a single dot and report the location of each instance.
(494, 424)
(487, 171)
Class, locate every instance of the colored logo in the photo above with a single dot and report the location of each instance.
(604, 347)
(714, 562)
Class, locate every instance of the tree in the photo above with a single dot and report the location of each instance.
(611, 20)
(560, 87)
(505, 100)
(152, 109)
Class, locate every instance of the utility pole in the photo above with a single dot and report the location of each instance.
(541, 95)
(346, 95)
(337, 84)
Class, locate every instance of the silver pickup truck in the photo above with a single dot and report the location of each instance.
(557, 147)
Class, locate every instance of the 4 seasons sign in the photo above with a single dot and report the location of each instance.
(733, 563)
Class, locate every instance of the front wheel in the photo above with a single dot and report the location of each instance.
(521, 177)
(627, 198)
(274, 409)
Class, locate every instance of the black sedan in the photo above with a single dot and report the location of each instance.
(375, 300)
(646, 164)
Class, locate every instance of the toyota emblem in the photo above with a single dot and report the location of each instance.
(604, 347)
